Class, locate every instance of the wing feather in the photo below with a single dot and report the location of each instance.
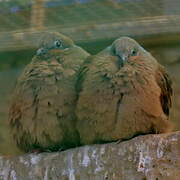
(165, 84)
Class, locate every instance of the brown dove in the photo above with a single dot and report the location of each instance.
(123, 92)
(41, 115)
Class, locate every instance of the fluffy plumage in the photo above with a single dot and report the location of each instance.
(123, 92)
(42, 114)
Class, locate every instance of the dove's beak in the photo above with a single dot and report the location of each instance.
(124, 58)
(41, 51)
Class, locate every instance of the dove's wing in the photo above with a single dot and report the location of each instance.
(82, 73)
(165, 84)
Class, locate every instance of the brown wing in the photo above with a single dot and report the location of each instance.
(165, 84)
(82, 73)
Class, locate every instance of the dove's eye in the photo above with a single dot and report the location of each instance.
(57, 43)
(134, 52)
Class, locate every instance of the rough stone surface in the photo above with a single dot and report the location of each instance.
(150, 157)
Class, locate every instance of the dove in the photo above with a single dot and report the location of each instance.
(41, 114)
(123, 92)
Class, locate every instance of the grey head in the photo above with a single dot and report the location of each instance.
(126, 47)
(53, 40)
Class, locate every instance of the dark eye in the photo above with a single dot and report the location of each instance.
(133, 52)
(57, 43)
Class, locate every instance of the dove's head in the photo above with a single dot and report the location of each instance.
(53, 41)
(125, 48)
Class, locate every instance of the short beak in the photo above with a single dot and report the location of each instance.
(41, 51)
(124, 58)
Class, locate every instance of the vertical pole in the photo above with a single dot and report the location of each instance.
(37, 15)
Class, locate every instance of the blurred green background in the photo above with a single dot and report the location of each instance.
(92, 24)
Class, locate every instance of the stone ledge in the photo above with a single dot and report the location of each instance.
(149, 157)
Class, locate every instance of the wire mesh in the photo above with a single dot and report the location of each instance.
(87, 19)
